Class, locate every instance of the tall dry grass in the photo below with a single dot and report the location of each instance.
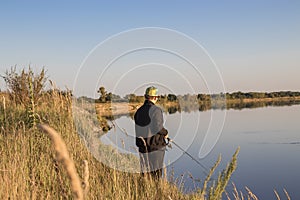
(31, 169)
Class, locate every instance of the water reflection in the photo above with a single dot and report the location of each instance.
(192, 106)
(242, 105)
(269, 140)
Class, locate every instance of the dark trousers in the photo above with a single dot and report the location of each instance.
(152, 163)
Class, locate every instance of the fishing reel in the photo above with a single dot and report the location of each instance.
(168, 142)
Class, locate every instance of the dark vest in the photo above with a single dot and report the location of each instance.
(149, 128)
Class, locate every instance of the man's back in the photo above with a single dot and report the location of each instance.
(150, 134)
(148, 120)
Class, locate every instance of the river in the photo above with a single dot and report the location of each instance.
(268, 137)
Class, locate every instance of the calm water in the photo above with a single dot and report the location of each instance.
(269, 138)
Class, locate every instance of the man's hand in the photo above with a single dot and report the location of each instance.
(166, 140)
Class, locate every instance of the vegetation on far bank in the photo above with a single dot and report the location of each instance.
(111, 106)
(105, 96)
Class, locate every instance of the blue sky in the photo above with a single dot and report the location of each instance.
(255, 44)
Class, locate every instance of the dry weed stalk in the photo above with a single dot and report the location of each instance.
(250, 194)
(86, 177)
(277, 195)
(287, 194)
(63, 157)
(165, 173)
(236, 194)
(204, 189)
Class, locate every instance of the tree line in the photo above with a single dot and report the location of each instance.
(133, 98)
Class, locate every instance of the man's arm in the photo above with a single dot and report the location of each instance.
(157, 122)
(157, 141)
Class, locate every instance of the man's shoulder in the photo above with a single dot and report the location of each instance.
(154, 108)
(149, 107)
(142, 109)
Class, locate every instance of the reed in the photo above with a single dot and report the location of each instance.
(86, 175)
(63, 156)
(204, 188)
(218, 188)
(287, 194)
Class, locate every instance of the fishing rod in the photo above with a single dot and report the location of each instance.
(188, 154)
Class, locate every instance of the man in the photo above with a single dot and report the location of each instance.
(151, 136)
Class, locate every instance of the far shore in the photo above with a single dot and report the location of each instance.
(126, 108)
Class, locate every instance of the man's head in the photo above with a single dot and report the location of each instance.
(151, 94)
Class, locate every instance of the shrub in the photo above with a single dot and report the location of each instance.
(25, 87)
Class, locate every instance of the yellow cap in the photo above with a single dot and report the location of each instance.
(151, 91)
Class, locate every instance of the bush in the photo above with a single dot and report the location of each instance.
(26, 86)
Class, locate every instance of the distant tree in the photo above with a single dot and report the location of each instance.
(109, 97)
(163, 99)
(85, 99)
(116, 98)
(140, 99)
(172, 97)
(203, 97)
(102, 93)
(132, 98)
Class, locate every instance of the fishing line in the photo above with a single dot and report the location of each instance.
(187, 153)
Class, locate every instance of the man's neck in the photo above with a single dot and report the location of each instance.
(152, 101)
